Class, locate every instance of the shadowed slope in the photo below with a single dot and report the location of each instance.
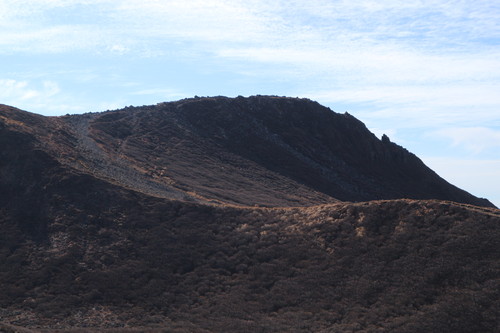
(96, 255)
(262, 150)
(267, 151)
(93, 236)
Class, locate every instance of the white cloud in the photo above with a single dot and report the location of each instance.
(34, 96)
(52, 39)
(474, 139)
(415, 61)
(24, 91)
(119, 49)
(15, 90)
(420, 105)
(364, 64)
(338, 32)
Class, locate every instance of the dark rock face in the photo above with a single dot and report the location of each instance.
(331, 153)
(260, 150)
(144, 218)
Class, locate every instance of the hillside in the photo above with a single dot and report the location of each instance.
(268, 151)
(145, 219)
(261, 150)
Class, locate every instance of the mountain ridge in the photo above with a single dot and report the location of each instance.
(154, 219)
(269, 146)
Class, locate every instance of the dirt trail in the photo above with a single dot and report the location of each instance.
(115, 170)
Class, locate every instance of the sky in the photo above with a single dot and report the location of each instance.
(424, 72)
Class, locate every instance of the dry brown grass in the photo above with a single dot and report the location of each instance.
(82, 253)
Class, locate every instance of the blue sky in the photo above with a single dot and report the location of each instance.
(425, 72)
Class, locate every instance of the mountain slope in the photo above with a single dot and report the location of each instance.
(96, 255)
(331, 153)
(143, 218)
(267, 151)
(260, 150)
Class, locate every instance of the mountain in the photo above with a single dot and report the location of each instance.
(251, 214)
(268, 151)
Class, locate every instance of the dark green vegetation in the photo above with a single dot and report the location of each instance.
(89, 241)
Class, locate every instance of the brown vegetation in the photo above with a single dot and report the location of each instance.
(81, 251)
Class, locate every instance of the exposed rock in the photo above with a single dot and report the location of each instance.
(143, 219)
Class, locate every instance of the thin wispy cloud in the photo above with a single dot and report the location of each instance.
(380, 52)
(22, 91)
(475, 139)
(420, 105)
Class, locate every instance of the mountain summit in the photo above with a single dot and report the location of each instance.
(261, 150)
(259, 214)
